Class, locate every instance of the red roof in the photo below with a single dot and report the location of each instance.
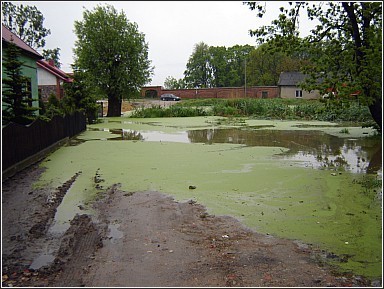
(9, 36)
(51, 68)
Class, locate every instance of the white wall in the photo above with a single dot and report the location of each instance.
(45, 78)
(290, 92)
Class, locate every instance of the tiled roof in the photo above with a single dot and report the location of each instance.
(291, 78)
(9, 36)
(44, 64)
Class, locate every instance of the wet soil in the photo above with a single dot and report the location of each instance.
(147, 239)
(128, 105)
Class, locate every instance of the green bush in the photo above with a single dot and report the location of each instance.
(172, 111)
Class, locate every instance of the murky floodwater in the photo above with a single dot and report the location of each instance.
(316, 149)
(298, 180)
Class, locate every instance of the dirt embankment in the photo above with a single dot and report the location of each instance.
(147, 239)
(128, 105)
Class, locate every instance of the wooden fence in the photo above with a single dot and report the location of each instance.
(20, 142)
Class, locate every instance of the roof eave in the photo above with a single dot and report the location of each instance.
(48, 68)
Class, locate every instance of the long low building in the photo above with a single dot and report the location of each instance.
(288, 87)
(218, 92)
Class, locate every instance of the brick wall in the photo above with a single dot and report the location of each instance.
(219, 92)
(46, 91)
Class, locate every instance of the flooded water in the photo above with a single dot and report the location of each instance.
(309, 148)
(310, 181)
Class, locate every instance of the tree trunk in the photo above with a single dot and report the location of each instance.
(376, 110)
(375, 161)
(114, 106)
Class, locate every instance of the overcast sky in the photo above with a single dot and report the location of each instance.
(171, 28)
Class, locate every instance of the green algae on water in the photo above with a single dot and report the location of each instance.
(255, 184)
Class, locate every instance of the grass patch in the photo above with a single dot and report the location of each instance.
(284, 109)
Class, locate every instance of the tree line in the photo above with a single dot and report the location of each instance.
(239, 65)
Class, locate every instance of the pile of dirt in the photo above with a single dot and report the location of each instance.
(146, 239)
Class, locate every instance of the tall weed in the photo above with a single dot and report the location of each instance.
(287, 109)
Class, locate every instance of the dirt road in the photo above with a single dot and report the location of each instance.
(147, 239)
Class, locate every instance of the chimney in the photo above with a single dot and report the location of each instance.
(51, 62)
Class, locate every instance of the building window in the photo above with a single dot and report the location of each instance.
(264, 94)
(299, 93)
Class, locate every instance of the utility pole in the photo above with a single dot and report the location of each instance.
(245, 78)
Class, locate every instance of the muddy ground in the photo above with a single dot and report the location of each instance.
(147, 239)
(128, 105)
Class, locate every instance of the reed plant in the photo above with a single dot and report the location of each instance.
(285, 109)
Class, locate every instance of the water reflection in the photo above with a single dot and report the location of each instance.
(310, 148)
(126, 134)
(131, 135)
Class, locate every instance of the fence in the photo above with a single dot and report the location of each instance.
(20, 142)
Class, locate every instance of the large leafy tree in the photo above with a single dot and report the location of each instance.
(25, 21)
(16, 96)
(198, 72)
(265, 65)
(344, 48)
(219, 66)
(238, 56)
(113, 53)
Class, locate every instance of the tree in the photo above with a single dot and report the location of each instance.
(52, 54)
(172, 83)
(16, 98)
(80, 96)
(265, 65)
(210, 66)
(113, 54)
(219, 65)
(198, 73)
(345, 47)
(26, 22)
(237, 57)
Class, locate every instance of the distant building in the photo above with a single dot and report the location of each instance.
(289, 86)
(29, 56)
(51, 79)
(214, 92)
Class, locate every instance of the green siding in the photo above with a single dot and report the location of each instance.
(29, 69)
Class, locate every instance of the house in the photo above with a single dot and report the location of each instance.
(29, 56)
(51, 79)
(289, 86)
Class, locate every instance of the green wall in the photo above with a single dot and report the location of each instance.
(29, 69)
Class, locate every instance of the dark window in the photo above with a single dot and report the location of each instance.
(299, 93)
(264, 94)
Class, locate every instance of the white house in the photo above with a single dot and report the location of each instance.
(51, 79)
(289, 86)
